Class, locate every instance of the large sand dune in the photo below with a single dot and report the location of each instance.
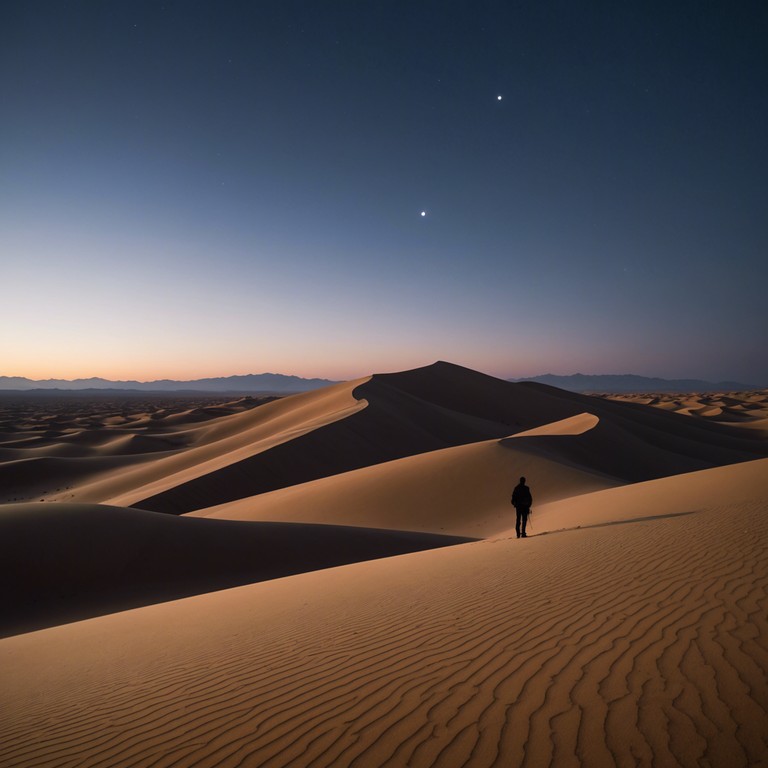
(644, 643)
(463, 490)
(466, 490)
(445, 405)
(182, 461)
(629, 629)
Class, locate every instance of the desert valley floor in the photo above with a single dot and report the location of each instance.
(333, 578)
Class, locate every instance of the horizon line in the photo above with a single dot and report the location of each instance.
(340, 380)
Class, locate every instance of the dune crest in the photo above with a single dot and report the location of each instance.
(575, 425)
(463, 491)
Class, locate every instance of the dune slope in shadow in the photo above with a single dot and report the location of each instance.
(65, 562)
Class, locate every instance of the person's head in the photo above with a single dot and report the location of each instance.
(522, 481)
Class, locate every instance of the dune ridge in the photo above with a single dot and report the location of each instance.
(464, 490)
(231, 439)
(101, 430)
(445, 405)
(178, 462)
(398, 420)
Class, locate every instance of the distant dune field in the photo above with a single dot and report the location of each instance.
(333, 579)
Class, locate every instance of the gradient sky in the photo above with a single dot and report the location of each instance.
(195, 189)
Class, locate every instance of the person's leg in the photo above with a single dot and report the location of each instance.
(517, 522)
(524, 516)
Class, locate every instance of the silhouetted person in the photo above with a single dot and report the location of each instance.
(522, 502)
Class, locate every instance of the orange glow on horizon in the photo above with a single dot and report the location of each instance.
(336, 373)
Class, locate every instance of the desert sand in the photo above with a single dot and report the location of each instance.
(747, 409)
(333, 579)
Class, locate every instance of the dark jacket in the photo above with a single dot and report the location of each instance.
(521, 497)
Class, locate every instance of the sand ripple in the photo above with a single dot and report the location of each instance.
(494, 653)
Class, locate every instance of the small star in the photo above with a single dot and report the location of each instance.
(423, 213)
(498, 98)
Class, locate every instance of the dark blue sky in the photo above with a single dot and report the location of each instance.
(212, 188)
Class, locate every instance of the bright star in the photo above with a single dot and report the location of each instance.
(498, 98)
(423, 213)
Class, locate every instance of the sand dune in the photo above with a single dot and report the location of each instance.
(91, 428)
(463, 490)
(634, 644)
(71, 561)
(575, 425)
(205, 448)
(55, 477)
(444, 405)
(629, 629)
(466, 490)
(395, 418)
(681, 494)
(191, 464)
(746, 409)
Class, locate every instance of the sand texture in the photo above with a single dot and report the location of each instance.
(333, 579)
(746, 409)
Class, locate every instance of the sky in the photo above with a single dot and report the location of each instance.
(193, 189)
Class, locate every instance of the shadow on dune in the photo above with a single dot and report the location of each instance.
(65, 562)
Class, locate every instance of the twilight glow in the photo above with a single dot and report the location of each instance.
(331, 189)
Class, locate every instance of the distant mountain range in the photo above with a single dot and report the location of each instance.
(261, 382)
(628, 382)
(277, 383)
